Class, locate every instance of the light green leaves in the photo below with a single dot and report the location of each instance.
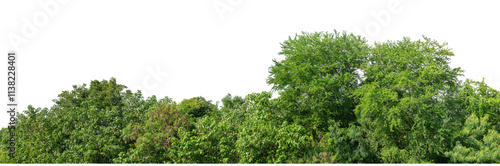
(317, 77)
(478, 142)
(402, 99)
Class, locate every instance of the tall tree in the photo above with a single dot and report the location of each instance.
(402, 106)
(317, 78)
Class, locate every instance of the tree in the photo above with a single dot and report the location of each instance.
(346, 145)
(402, 100)
(156, 136)
(478, 142)
(91, 120)
(214, 136)
(34, 143)
(230, 102)
(4, 151)
(480, 99)
(317, 77)
(197, 106)
(212, 141)
(135, 110)
(84, 126)
(341, 101)
(264, 138)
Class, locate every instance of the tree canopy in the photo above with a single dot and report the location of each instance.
(341, 100)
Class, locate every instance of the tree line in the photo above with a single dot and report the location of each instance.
(340, 100)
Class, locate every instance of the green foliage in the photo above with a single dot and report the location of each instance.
(478, 142)
(230, 102)
(317, 77)
(91, 129)
(212, 141)
(135, 110)
(156, 136)
(349, 145)
(83, 126)
(264, 139)
(340, 101)
(480, 99)
(213, 138)
(36, 141)
(196, 106)
(402, 100)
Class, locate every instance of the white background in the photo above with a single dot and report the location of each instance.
(213, 47)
